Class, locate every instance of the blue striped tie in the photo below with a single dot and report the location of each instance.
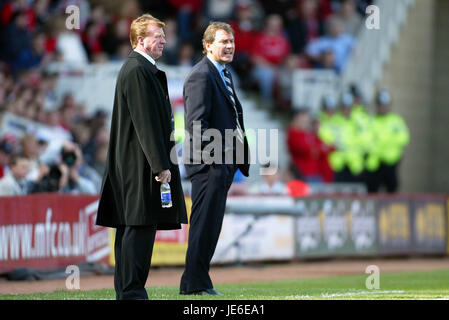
(227, 77)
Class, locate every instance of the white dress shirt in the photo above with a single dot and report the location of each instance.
(148, 57)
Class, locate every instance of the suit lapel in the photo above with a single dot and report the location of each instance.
(144, 60)
(160, 75)
(225, 91)
(218, 80)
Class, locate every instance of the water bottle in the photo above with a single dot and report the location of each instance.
(166, 195)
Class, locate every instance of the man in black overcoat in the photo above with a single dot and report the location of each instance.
(211, 104)
(139, 161)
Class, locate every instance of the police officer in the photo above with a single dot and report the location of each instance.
(340, 131)
(389, 137)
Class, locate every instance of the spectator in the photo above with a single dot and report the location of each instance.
(271, 185)
(100, 158)
(71, 48)
(122, 52)
(4, 84)
(350, 17)
(326, 60)
(187, 12)
(9, 8)
(186, 55)
(245, 31)
(325, 169)
(69, 44)
(336, 41)
(92, 39)
(65, 174)
(6, 149)
(47, 96)
(14, 183)
(31, 150)
(116, 39)
(100, 19)
(284, 85)
(221, 10)
(54, 120)
(306, 149)
(15, 38)
(171, 48)
(278, 7)
(99, 137)
(82, 178)
(82, 135)
(130, 10)
(303, 25)
(34, 56)
(68, 112)
(54, 178)
(325, 9)
(41, 12)
(270, 49)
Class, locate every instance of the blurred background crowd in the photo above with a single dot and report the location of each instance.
(344, 143)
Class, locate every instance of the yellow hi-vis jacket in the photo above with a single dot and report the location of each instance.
(389, 137)
(341, 132)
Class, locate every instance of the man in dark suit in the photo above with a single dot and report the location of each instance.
(210, 100)
(139, 160)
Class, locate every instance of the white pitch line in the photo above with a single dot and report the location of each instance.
(354, 293)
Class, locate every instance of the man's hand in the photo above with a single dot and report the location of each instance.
(64, 180)
(43, 171)
(163, 176)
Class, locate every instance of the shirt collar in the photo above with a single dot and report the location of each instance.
(217, 65)
(148, 57)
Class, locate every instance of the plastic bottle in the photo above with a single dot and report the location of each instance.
(166, 195)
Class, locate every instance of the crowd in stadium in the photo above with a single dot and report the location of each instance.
(272, 39)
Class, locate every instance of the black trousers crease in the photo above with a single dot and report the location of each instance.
(133, 250)
(209, 192)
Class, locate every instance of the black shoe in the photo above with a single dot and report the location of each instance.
(211, 292)
(206, 292)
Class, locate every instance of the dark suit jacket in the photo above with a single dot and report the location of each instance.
(206, 99)
(139, 148)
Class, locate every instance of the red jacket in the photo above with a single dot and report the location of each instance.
(274, 49)
(309, 154)
(244, 39)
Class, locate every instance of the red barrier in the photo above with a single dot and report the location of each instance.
(46, 231)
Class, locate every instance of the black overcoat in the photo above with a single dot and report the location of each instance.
(139, 148)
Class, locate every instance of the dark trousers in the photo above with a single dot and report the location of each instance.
(133, 250)
(346, 176)
(386, 175)
(209, 192)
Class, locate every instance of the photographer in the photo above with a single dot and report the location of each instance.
(64, 175)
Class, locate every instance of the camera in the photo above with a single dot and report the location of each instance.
(68, 157)
(50, 182)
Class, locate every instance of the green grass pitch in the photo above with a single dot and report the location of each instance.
(393, 286)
